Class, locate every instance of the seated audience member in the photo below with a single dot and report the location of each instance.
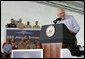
(30, 45)
(12, 42)
(38, 44)
(7, 48)
(20, 24)
(28, 25)
(36, 25)
(36, 41)
(22, 44)
(4, 55)
(12, 24)
(26, 42)
(15, 45)
(5, 43)
(27, 47)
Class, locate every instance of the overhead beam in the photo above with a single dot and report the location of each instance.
(50, 3)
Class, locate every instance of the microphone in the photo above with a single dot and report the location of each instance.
(55, 21)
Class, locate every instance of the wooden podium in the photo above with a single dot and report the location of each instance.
(53, 38)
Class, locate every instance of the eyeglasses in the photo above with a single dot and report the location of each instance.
(62, 13)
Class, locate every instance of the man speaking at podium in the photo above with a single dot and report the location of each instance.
(68, 20)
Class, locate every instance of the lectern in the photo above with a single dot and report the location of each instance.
(54, 37)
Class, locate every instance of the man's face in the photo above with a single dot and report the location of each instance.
(28, 23)
(16, 43)
(38, 42)
(12, 40)
(22, 38)
(20, 20)
(60, 13)
(12, 20)
(21, 41)
(7, 42)
(29, 41)
(36, 22)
